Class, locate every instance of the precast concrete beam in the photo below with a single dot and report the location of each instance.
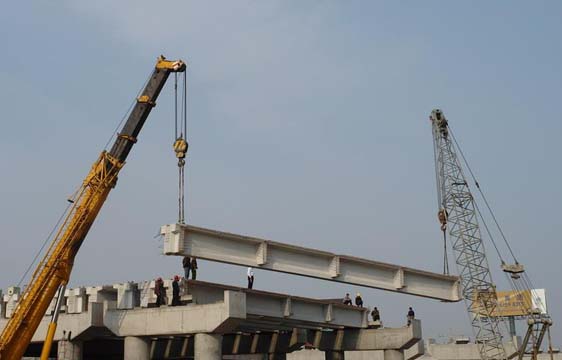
(187, 240)
(278, 342)
(281, 311)
(367, 339)
(219, 317)
(74, 324)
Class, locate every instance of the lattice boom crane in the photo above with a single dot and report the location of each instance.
(458, 213)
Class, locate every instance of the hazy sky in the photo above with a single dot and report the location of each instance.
(308, 124)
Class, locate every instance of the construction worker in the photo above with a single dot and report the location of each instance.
(250, 278)
(186, 262)
(176, 291)
(359, 300)
(193, 268)
(375, 314)
(347, 300)
(159, 291)
(411, 316)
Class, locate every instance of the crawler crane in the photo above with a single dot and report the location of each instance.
(458, 213)
(53, 271)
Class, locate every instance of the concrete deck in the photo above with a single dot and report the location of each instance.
(264, 254)
(230, 320)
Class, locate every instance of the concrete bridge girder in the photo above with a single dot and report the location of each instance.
(187, 240)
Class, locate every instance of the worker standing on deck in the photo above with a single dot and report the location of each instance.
(175, 291)
(359, 300)
(375, 314)
(159, 291)
(193, 268)
(186, 262)
(250, 278)
(411, 316)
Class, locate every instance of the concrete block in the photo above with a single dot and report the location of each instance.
(173, 238)
(147, 296)
(128, 296)
(11, 299)
(76, 300)
(101, 293)
(13, 290)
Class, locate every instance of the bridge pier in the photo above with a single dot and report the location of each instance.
(137, 348)
(69, 350)
(208, 346)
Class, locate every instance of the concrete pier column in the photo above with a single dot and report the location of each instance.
(393, 355)
(69, 350)
(335, 355)
(137, 348)
(208, 347)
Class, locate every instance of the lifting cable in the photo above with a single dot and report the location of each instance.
(180, 144)
(483, 197)
(519, 284)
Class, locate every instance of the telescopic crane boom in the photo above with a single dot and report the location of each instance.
(54, 269)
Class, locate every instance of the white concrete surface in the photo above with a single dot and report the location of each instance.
(67, 350)
(264, 254)
(136, 348)
(208, 347)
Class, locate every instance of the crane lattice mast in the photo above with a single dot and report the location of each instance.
(457, 213)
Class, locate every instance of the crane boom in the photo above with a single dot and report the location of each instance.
(458, 213)
(54, 269)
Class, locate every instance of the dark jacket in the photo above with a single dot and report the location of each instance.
(175, 288)
(186, 262)
(194, 263)
(159, 288)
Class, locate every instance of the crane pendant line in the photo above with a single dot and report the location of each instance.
(461, 220)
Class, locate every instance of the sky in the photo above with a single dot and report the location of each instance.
(307, 124)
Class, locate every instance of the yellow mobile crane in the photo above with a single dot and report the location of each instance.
(53, 272)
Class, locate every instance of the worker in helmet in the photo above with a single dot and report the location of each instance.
(176, 291)
(376, 314)
(359, 300)
(159, 291)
